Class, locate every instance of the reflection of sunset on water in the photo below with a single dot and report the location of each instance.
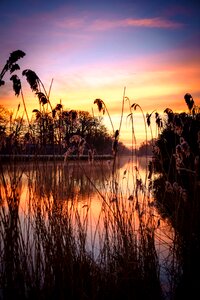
(100, 208)
(91, 198)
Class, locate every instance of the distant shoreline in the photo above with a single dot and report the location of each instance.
(50, 157)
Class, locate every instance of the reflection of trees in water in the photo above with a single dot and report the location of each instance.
(68, 180)
(52, 219)
(64, 180)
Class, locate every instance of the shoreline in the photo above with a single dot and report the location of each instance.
(50, 157)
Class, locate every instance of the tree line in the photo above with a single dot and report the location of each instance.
(50, 130)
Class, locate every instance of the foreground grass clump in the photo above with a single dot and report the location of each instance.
(50, 249)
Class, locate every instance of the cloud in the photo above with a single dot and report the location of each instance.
(128, 22)
(71, 23)
(84, 22)
(90, 20)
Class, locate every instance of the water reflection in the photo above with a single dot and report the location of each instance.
(104, 210)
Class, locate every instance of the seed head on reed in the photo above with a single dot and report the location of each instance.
(168, 187)
(14, 68)
(178, 157)
(58, 107)
(148, 117)
(16, 84)
(189, 101)
(11, 64)
(102, 108)
(100, 105)
(175, 186)
(184, 195)
(14, 56)
(115, 142)
(38, 113)
(185, 148)
(158, 120)
(170, 115)
(32, 79)
(42, 98)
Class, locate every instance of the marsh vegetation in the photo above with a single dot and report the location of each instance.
(127, 227)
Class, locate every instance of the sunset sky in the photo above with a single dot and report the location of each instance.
(93, 49)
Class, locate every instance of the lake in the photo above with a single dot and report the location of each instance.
(96, 210)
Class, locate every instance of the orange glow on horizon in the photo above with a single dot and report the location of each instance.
(150, 82)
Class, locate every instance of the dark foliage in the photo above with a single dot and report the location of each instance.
(177, 189)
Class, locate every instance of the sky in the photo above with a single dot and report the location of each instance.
(100, 49)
